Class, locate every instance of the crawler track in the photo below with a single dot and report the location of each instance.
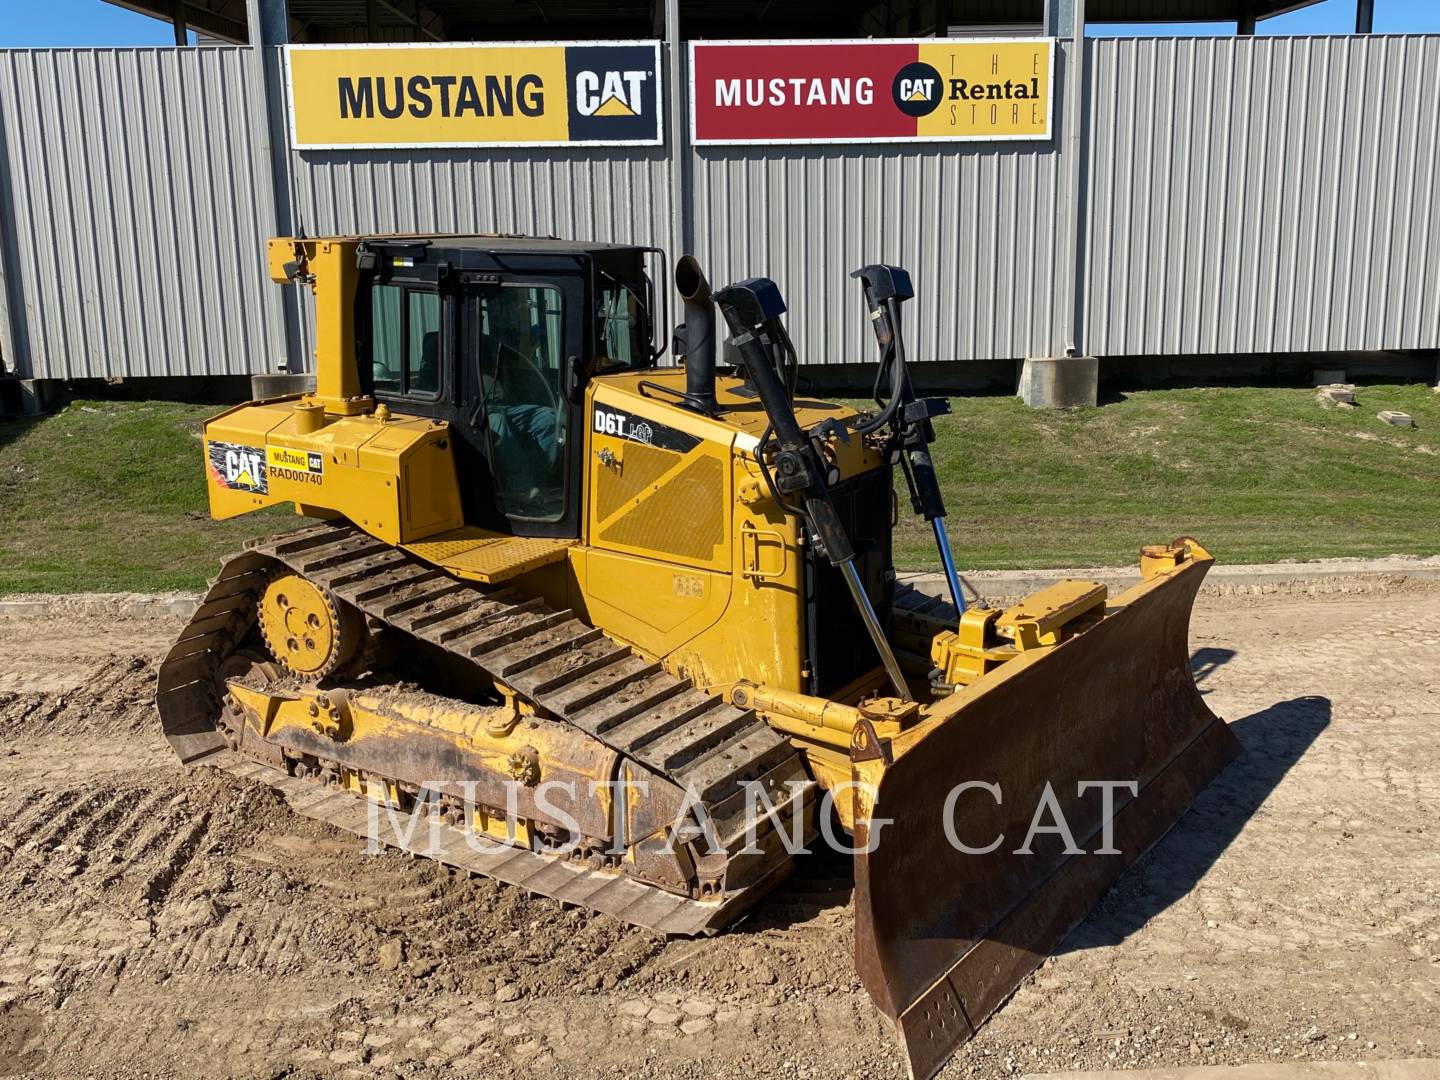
(567, 670)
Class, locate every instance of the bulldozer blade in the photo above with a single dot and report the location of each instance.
(944, 936)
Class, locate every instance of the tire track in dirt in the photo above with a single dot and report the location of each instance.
(164, 919)
(132, 879)
(1297, 902)
(115, 699)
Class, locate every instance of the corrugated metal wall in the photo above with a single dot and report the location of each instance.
(135, 198)
(1262, 195)
(609, 194)
(977, 228)
(616, 193)
(605, 194)
(1238, 195)
(978, 225)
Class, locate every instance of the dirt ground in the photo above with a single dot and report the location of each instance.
(177, 923)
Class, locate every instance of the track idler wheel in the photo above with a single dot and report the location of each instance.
(309, 631)
(251, 664)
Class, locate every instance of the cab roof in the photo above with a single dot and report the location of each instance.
(508, 243)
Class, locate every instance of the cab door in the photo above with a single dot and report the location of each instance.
(519, 335)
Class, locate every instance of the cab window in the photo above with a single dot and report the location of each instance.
(522, 379)
(621, 331)
(405, 340)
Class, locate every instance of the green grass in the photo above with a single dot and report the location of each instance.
(110, 495)
(1257, 474)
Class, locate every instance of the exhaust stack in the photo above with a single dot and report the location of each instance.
(694, 290)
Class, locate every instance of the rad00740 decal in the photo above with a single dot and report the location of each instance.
(297, 466)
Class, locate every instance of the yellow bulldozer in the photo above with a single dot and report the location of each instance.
(628, 635)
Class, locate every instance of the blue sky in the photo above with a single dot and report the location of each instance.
(1331, 17)
(93, 22)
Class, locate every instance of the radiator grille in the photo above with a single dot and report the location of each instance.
(840, 650)
(684, 517)
(640, 467)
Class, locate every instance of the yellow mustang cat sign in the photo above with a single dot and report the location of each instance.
(518, 93)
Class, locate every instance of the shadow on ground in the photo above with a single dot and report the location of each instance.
(1273, 740)
(13, 428)
(1204, 662)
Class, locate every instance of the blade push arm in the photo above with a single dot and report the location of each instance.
(752, 308)
(910, 418)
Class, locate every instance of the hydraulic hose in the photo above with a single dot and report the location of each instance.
(752, 309)
(885, 315)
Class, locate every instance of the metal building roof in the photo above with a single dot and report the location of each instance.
(480, 20)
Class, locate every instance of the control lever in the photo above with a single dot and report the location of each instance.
(910, 418)
(751, 308)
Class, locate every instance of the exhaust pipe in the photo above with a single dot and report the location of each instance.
(694, 290)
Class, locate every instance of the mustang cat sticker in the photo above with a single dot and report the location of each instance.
(241, 468)
(297, 466)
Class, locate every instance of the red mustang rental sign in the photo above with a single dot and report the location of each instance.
(884, 90)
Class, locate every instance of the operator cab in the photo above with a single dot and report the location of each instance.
(499, 336)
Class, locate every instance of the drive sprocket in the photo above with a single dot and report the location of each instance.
(310, 632)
